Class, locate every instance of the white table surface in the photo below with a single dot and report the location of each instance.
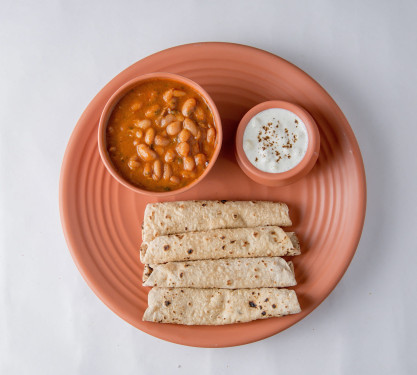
(56, 55)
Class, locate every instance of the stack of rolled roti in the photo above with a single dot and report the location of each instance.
(218, 262)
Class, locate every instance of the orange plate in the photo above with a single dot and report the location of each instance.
(101, 218)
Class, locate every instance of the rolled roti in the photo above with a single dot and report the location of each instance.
(190, 216)
(218, 306)
(222, 273)
(220, 243)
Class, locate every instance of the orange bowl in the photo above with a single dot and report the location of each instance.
(294, 174)
(122, 91)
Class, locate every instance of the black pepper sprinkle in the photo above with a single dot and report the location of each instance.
(266, 137)
(251, 304)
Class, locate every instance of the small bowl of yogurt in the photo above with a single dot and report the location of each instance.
(277, 143)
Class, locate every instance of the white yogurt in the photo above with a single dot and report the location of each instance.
(275, 140)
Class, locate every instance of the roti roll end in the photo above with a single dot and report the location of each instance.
(295, 243)
(147, 271)
(142, 251)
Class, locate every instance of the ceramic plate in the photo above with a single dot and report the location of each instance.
(102, 219)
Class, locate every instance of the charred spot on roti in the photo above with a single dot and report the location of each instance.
(234, 216)
(252, 304)
(149, 270)
(181, 274)
(223, 247)
(186, 228)
(233, 241)
(223, 201)
(266, 299)
(274, 305)
(204, 204)
(229, 282)
(189, 251)
(166, 247)
(255, 234)
(167, 303)
(222, 237)
(263, 313)
(180, 236)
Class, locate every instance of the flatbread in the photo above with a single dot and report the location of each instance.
(220, 243)
(218, 306)
(222, 273)
(190, 216)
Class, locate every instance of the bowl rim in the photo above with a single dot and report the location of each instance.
(306, 163)
(115, 98)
